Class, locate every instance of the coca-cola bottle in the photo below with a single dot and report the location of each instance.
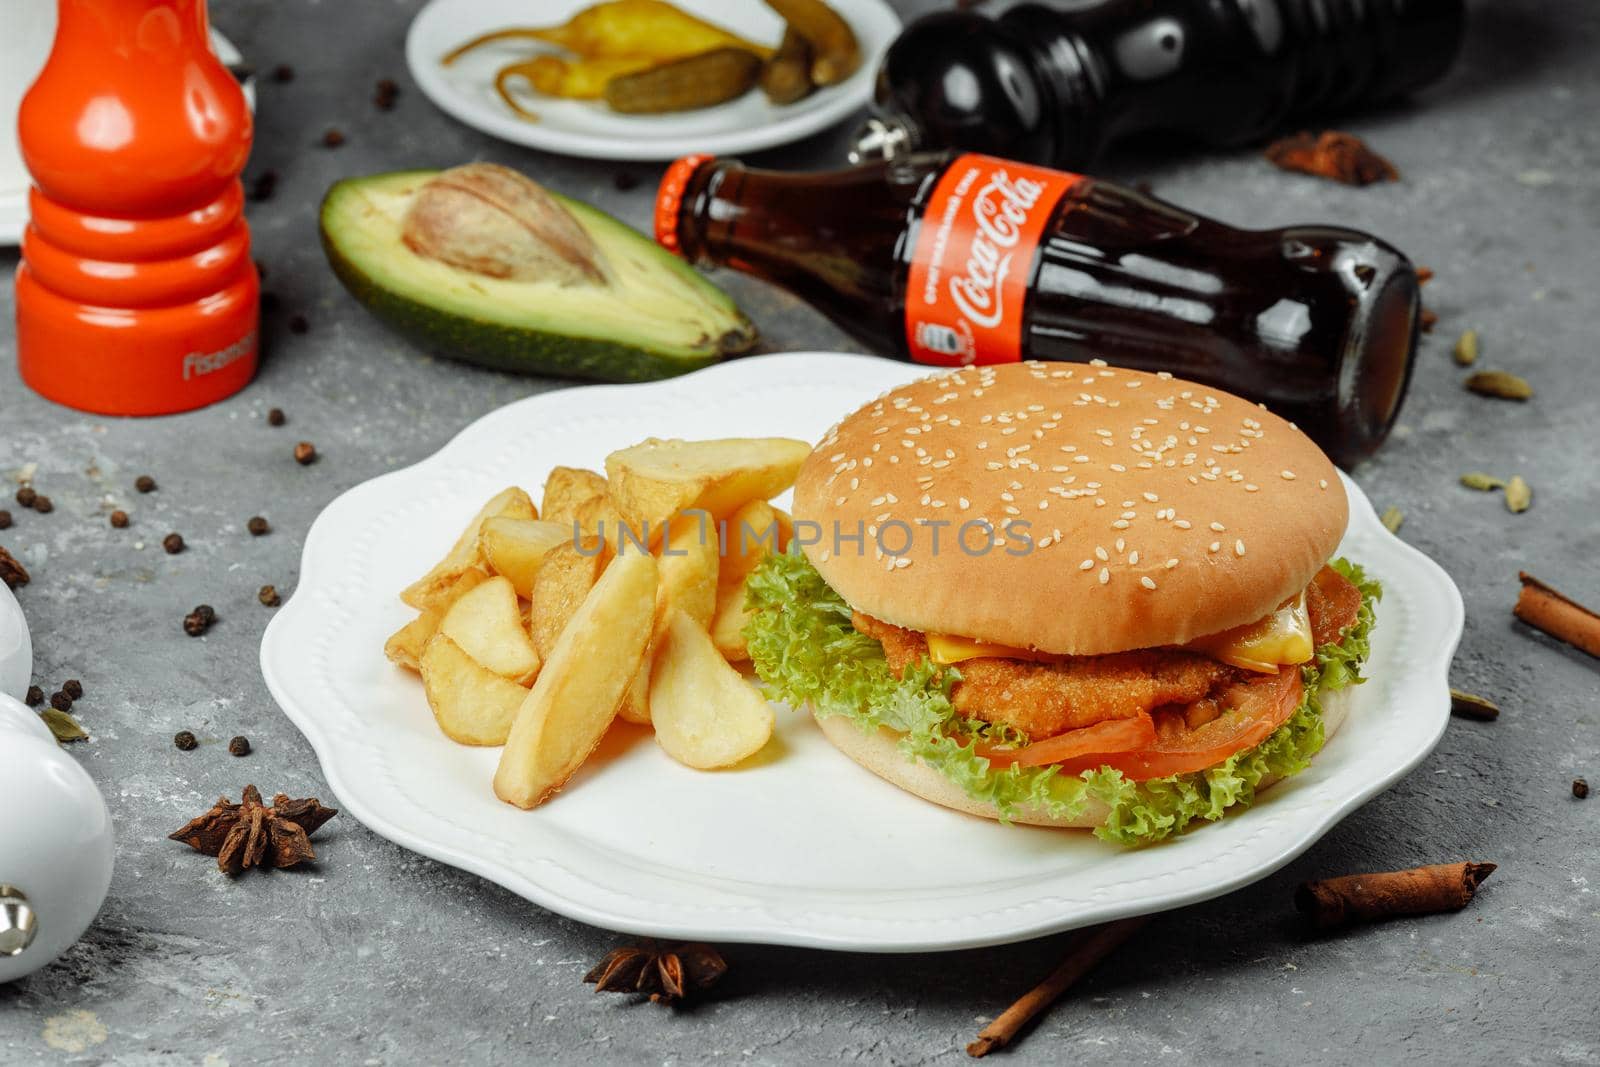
(958, 259)
(1053, 83)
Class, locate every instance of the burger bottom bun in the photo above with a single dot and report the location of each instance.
(879, 753)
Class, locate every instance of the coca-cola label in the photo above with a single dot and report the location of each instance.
(975, 248)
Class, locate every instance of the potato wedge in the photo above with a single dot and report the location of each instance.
(472, 704)
(576, 697)
(727, 625)
(487, 625)
(689, 567)
(566, 490)
(748, 535)
(705, 714)
(569, 572)
(405, 645)
(636, 700)
(657, 479)
(598, 517)
(516, 547)
(464, 554)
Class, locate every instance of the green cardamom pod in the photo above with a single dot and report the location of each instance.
(1466, 350)
(1519, 496)
(1393, 518)
(1499, 383)
(64, 726)
(1481, 481)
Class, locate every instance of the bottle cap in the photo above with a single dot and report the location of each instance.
(669, 198)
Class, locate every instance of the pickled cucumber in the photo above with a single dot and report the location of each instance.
(686, 84)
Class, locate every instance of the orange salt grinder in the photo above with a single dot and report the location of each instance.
(136, 294)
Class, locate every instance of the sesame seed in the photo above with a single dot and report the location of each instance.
(1105, 575)
(1171, 563)
(1133, 558)
(1238, 548)
(1120, 524)
(1287, 475)
(1086, 565)
(1148, 582)
(1215, 546)
(1100, 554)
(1250, 487)
(1322, 483)
(963, 503)
(1182, 524)
(902, 562)
(1151, 497)
(1217, 526)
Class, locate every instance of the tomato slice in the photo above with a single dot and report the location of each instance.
(1254, 710)
(1113, 735)
(1334, 603)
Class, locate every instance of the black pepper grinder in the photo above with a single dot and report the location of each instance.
(1054, 85)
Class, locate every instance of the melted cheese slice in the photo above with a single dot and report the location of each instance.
(1281, 638)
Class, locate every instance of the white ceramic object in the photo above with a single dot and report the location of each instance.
(16, 647)
(465, 89)
(24, 46)
(55, 845)
(804, 847)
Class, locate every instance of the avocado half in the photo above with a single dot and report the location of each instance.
(657, 318)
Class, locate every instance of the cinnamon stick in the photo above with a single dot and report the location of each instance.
(1087, 949)
(1370, 897)
(1558, 615)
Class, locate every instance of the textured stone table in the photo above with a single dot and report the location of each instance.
(381, 956)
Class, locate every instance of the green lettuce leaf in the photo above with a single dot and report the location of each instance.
(806, 652)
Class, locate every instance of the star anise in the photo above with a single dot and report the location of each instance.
(250, 834)
(668, 973)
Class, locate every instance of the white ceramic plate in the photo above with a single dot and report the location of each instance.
(14, 186)
(16, 647)
(465, 89)
(805, 848)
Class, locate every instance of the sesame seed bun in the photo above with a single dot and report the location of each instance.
(879, 753)
(1158, 511)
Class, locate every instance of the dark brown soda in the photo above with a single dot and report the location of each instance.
(1317, 322)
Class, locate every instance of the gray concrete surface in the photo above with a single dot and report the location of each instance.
(380, 956)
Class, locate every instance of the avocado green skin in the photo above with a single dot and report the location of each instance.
(520, 350)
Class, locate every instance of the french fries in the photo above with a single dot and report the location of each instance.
(473, 705)
(581, 685)
(704, 713)
(569, 572)
(638, 621)
(486, 624)
(405, 645)
(426, 591)
(568, 489)
(514, 548)
(656, 479)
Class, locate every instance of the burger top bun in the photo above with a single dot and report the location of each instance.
(1069, 508)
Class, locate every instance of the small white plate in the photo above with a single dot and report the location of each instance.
(465, 89)
(804, 848)
(14, 187)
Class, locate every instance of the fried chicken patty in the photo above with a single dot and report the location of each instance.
(1044, 699)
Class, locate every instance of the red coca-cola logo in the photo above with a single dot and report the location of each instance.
(999, 211)
(987, 215)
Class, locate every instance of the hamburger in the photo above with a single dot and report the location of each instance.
(1067, 595)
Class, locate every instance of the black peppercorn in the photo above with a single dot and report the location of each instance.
(173, 543)
(624, 181)
(283, 73)
(42, 504)
(1580, 788)
(239, 746)
(276, 417)
(269, 596)
(305, 453)
(60, 701)
(73, 688)
(145, 484)
(119, 519)
(26, 496)
(199, 620)
(35, 696)
(299, 324)
(258, 526)
(333, 137)
(185, 741)
(5, 519)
